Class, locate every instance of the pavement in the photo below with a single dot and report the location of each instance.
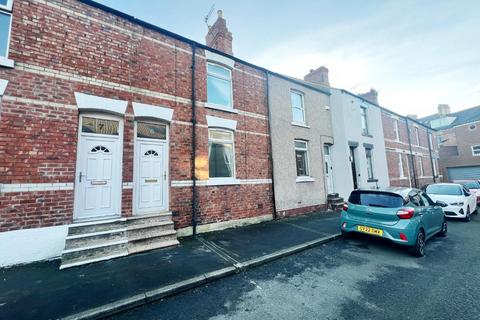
(42, 291)
(358, 277)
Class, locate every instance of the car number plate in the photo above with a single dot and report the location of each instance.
(369, 230)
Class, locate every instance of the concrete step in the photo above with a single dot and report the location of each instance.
(149, 219)
(98, 226)
(94, 239)
(336, 201)
(145, 230)
(332, 195)
(85, 255)
(151, 234)
(151, 244)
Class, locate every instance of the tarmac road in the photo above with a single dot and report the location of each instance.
(354, 278)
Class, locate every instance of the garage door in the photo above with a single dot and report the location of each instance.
(464, 173)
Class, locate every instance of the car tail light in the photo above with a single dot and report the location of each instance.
(345, 206)
(403, 237)
(405, 213)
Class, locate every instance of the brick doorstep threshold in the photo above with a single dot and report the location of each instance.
(170, 290)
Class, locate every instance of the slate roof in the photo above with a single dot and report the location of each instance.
(461, 117)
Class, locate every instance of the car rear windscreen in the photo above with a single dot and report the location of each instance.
(445, 189)
(376, 199)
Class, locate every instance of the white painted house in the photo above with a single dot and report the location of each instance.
(358, 154)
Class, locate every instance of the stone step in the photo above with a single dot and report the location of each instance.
(94, 239)
(151, 244)
(97, 226)
(332, 195)
(337, 201)
(137, 231)
(138, 235)
(85, 255)
(149, 219)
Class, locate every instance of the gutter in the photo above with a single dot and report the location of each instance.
(194, 145)
(269, 107)
(429, 138)
(411, 155)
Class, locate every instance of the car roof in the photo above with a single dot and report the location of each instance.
(446, 184)
(401, 191)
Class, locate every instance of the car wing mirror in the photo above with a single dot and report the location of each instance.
(441, 204)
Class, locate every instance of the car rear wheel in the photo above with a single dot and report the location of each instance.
(468, 215)
(443, 231)
(419, 247)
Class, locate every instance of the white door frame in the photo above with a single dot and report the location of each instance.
(119, 189)
(330, 170)
(135, 193)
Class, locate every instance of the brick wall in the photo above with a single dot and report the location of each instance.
(62, 47)
(396, 145)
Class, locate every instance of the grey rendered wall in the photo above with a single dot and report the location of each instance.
(346, 118)
(290, 194)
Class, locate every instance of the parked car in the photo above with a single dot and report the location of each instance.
(461, 203)
(403, 215)
(473, 186)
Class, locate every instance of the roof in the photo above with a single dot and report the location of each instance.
(310, 85)
(461, 117)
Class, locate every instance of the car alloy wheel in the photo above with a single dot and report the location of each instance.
(467, 216)
(419, 248)
(443, 231)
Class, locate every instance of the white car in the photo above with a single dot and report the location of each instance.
(460, 202)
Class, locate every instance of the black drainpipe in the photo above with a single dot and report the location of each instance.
(411, 155)
(429, 137)
(194, 145)
(270, 143)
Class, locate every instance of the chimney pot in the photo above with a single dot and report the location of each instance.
(444, 110)
(220, 13)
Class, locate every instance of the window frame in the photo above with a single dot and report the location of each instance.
(417, 136)
(401, 173)
(302, 99)
(421, 168)
(223, 141)
(307, 163)
(219, 106)
(477, 146)
(396, 129)
(364, 115)
(369, 156)
(8, 11)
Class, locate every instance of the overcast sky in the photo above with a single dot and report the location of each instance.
(416, 54)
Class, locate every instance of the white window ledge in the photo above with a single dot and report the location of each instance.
(298, 124)
(5, 62)
(221, 108)
(305, 179)
(219, 182)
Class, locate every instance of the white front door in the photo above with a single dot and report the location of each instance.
(98, 174)
(151, 178)
(328, 169)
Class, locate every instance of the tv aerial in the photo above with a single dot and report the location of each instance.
(207, 17)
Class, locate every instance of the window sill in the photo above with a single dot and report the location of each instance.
(372, 180)
(221, 182)
(221, 108)
(305, 179)
(298, 124)
(5, 62)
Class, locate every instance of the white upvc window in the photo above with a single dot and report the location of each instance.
(221, 154)
(417, 136)
(368, 154)
(420, 166)
(435, 173)
(400, 166)
(301, 158)
(476, 151)
(298, 107)
(364, 118)
(219, 86)
(395, 129)
(5, 31)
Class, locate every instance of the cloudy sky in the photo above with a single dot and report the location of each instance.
(416, 54)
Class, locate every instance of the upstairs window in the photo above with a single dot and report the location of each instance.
(5, 28)
(363, 113)
(301, 158)
(395, 129)
(298, 107)
(219, 86)
(420, 167)
(476, 151)
(417, 137)
(221, 154)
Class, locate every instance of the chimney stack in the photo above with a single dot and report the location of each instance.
(412, 116)
(371, 96)
(319, 76)
(444, 110)
(218, 36)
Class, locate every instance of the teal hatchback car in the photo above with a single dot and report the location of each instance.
(403, 215)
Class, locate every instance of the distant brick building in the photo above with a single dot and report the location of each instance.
(459, 139)
(96, 125)
(412, 151)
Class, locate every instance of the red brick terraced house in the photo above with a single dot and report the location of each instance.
(412, 151)
(117, 136)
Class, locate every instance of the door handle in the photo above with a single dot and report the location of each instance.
(165, 176)
(80, 177)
